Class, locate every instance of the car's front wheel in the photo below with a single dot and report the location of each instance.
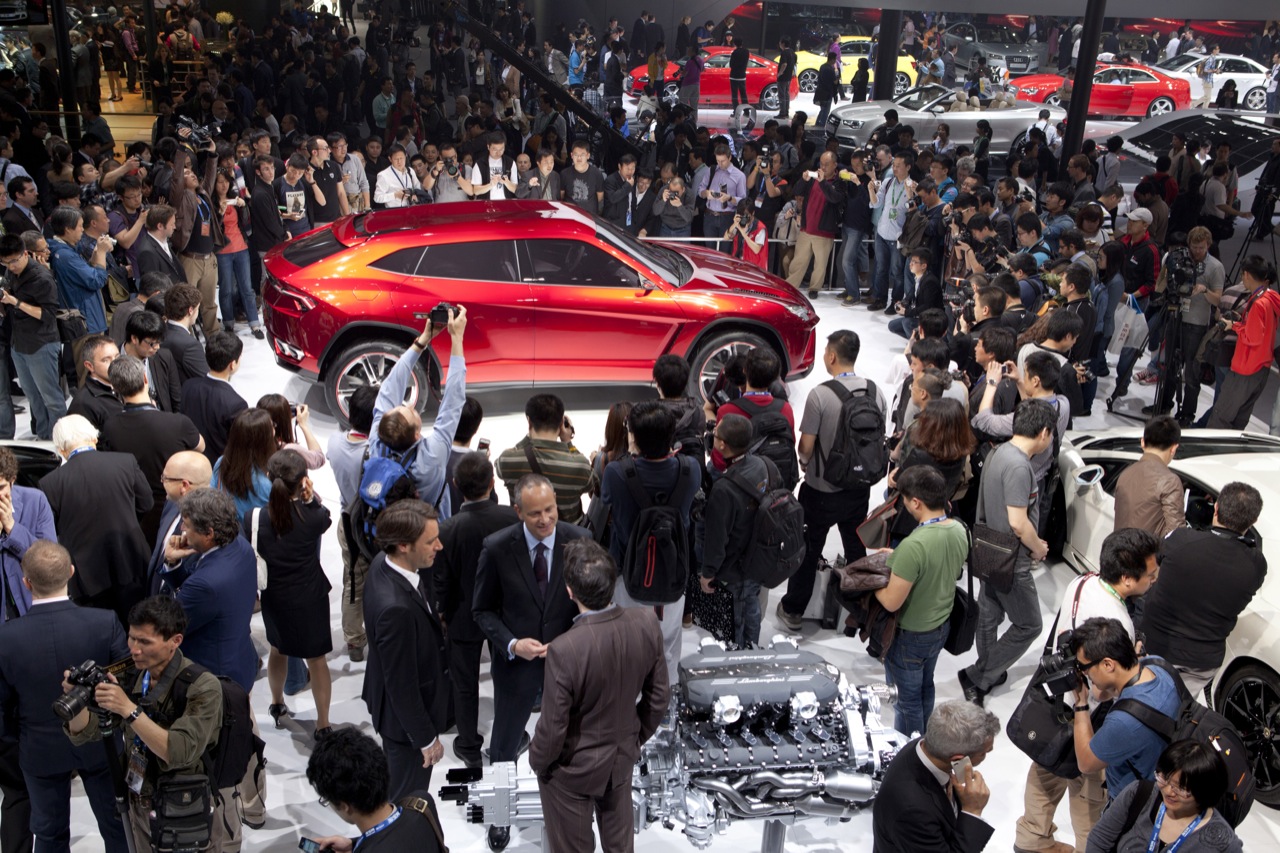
(808, 81)
(769, 100)
(369, 363)
(1255, 99)
(901, 83)
(711, 356)
(1250, 699)
(671, 94)
(1053, 100)
(1161, 106)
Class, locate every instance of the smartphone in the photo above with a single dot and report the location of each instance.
(293, 410)
(484, 446)
(1004, 369)
(958, 767)
(309, 846)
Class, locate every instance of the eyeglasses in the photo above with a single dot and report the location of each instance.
(9, 262)
(1179, 792)
(324, 802)
(1083, 667)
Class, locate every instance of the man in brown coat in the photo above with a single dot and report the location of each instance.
(591, 729)
(1148, 495)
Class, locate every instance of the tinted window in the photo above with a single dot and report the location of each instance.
(1136, 76)
(404, 261)
(720, 60)
(1237, 66)
(574, 262)
(486, 260)
(752, 62)
(309, 250)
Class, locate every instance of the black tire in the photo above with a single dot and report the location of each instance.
(770, 101)
(709, 358)
(1250, 699)
(901, 82)
(369, 362)
(671, 94)
(808, 81)
(1255, 99)
(1161, 106)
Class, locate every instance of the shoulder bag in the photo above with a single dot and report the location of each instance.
(962, 624)
(875, 530)
(255, 520)
(993, 556)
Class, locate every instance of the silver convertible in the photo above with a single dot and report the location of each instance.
(925, 106)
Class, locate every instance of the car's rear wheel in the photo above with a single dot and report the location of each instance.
(901, 82)
(712, 355)
(1053, 100)
(671, 94)
(1255, 99)
(769, 99)
(1161, 106)
(808, 81)
(1250, 699)
(369, 363)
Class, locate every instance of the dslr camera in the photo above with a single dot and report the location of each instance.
(201, 135)
(83, 679)
(441, 313)
(1061, 675)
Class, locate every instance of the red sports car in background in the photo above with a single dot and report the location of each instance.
(1118, 90)
(554, 297)
(762, 80)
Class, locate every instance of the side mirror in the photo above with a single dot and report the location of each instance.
(1088, 477)
(647, 285)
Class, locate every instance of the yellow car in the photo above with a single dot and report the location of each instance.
(852, 48)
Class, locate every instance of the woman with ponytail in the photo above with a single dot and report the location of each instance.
(295, 603)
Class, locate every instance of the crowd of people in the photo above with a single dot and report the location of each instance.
(180, 509)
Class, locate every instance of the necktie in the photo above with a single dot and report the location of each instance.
(540, 567)
(424, 590)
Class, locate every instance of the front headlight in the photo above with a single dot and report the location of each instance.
(801, 311)
(1030, 90)
(853, 123)
(995, 57)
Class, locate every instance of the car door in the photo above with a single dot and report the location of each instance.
(759, 75)
(483, 276)
(598, 318)
(714, 88)
(1110, 94)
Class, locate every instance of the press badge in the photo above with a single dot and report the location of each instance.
(759, 202)
(137, 771)
(204, 229)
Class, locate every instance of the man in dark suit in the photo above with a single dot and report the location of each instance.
(915, 809)
(96, 500)
(184, 472)
(150, 435)
(221, 586)
(96, 399)
(405, 685)
(35, 650)
(144, 334)
(209, 400)
(181, 310)
(462, 536)
(521, 605)
(23, 213)
(154, 253)
(594, 672)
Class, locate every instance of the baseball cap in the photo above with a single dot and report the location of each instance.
(1140, 214)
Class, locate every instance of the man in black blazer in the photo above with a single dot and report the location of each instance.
(23, 213)
(97, 498)
(521, 605)
(35, 649)
(915, 809)
(169, 565)
(154, 253)
(209, 400)
(462, 536)
(143, 338)
(405, 680)
(181, 310)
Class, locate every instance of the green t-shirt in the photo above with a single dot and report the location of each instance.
(932, 558)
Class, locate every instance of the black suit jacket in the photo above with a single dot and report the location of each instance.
(454, 573)
(912, 812)
(406, 685)
(34, 651)
(15, 223)
(212, 405)
(96, 499)
(152, 258)
(157, 576)
(507, 604)
(187, 353)
(166, 386)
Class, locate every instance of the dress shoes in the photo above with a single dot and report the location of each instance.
(499, 837)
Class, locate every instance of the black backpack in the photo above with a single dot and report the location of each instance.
(859, 456)
(777, 547)
(772, 437)
(913, 231)
(1204, 725)
(690, 432)
(655, 566)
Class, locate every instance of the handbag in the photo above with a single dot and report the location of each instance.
(181, 813)
(255, 519)
(1130, 326)
(1043, 726)
(962, 624)
(874, 531)
(993, 556)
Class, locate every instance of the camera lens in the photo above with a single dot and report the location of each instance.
(71, 703)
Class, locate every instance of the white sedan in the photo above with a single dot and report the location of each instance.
(1250, 77)
(1247, 688)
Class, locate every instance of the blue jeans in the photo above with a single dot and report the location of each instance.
(746, 613)
(40, 376)
(904, 326)
(665, 230)
(233, 279)
(888, 270)
(824, 110)
(853, 260)
(909, 667)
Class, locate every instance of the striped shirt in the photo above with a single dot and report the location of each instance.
(567, 469)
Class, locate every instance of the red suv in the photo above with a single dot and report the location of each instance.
(554, 297)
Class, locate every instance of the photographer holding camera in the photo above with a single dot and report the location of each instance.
(979, 250)
(1193, 279)
(155, 763)
(52, 637)
(442, 180)
(1128, 568)
(1253, 354)
(748, 236)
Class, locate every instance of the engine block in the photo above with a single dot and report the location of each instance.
(773, 734)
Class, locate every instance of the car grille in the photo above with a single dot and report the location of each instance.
(1018, 63)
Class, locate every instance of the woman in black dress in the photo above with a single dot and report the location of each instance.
(295, 604)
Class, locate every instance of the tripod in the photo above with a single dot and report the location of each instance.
(1170, 386)
(108, 723)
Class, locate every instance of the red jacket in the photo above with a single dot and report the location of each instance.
(1257, 335)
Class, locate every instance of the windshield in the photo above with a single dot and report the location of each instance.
(920, 97)
(666, 263)
(1176, 63)
(998, 35)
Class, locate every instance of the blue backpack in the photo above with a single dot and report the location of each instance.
(383, 479)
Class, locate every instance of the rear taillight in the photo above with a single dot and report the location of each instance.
(288, 299)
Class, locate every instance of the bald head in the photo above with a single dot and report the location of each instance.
(186, 470)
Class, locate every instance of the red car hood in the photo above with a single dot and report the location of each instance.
(1038, 80)
(718, 271)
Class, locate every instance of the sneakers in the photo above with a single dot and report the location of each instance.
(1148, 377)
(850, 300)
(813, 294)
(875, 306)
(790, 622)
(258, 333)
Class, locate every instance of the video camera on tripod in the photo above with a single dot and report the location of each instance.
(1181, 274)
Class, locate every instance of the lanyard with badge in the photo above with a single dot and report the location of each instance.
(392, 818)
(136, 774)
(205, 210)
(1154, 844)
(895, 200)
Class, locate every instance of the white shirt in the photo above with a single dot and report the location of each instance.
(54, 600)
(1096, 601)
(392, 181)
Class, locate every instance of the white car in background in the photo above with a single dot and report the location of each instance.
(1250, 77)
(1247, 688)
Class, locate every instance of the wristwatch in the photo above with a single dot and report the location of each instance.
(137, 710)
(1078, 708)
